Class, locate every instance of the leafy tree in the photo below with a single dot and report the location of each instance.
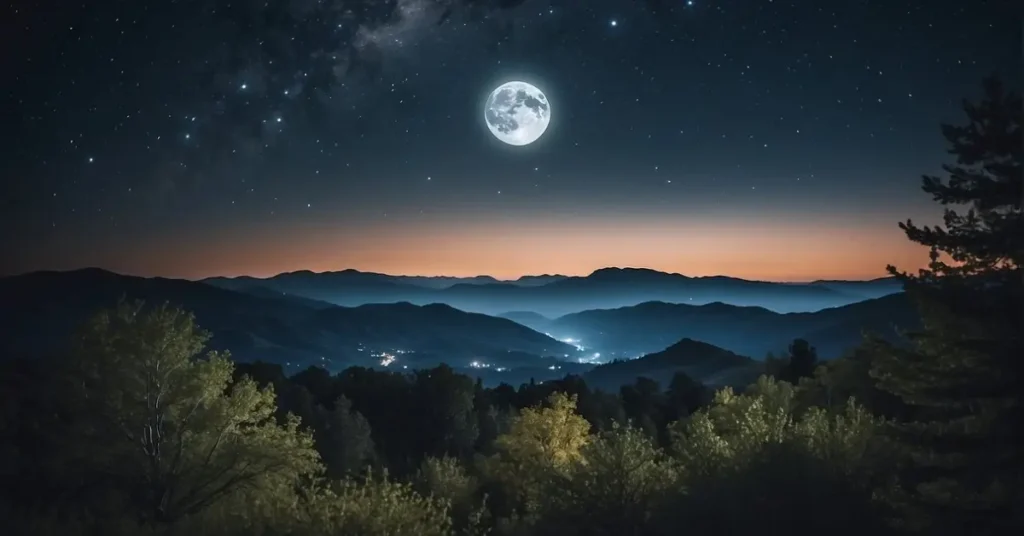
(542, 442)
(750, 462)
(344, 440)
(837, 380)
(735, 428)
(447, 479)
(378, 506)
(167, 427)
(613, 489)
(961, 378)
(552, 435)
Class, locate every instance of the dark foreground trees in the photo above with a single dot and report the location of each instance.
(962, 378)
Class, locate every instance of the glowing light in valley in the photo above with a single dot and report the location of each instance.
(575, 342)
(387, 359)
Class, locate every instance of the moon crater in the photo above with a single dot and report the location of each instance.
(517, 113)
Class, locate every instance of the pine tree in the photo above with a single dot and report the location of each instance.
(803, 359)
(961, 376)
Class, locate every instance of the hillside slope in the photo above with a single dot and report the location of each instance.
(43, 309)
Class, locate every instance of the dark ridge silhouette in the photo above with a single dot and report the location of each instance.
(701, 361)
(559, 295)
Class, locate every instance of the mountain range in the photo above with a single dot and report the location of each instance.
(43, 309)
(751, 331)
(556, 295)
(267, 320)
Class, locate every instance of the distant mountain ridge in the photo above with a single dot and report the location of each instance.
(752, 331)
(559, 295)
(43, 309)
(436, 282)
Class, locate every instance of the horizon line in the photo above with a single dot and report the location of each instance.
(448, 276)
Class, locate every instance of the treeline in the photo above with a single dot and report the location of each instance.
(138, 431)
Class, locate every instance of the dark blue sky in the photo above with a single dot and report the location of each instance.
(758, 138)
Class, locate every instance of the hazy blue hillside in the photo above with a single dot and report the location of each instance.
(874, 288)
(752, 331)
(558, 295)
(43, 309)
(529, 319)
(262, 321)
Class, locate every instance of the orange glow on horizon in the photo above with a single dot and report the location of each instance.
(772, 251)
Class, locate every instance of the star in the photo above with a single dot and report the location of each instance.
(90, 159)
(245, 86)
(614, 23)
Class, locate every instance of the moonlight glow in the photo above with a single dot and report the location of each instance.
(517, 113)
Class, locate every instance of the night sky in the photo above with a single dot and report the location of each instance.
(755, 138)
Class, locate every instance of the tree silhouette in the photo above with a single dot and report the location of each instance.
(962, 375)
(344, 439)
(803, 358)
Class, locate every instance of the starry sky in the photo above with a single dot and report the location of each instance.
(765, 139)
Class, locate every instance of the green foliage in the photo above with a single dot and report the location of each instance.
(377, 506)
(837, 380)
(552, 435)
(542, 443)
(736, 428)
(751, 458)
(170, 429)
(613, 489)
(447, 479)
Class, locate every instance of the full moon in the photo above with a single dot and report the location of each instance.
(517, 113)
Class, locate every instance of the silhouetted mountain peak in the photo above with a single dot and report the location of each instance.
(705, 362)
(88, 272)
(690, 351)
(627, 273)
(688, 345)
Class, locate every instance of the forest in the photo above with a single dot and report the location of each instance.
(140, 430)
